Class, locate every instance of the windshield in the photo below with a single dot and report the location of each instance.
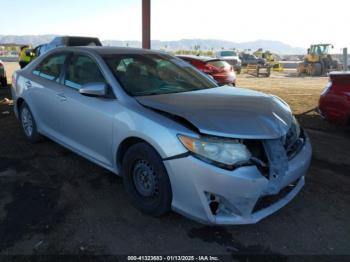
(320, 49)
(228, 53)
(154, 74)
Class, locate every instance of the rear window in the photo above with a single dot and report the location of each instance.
(219, 64)
(83, 41)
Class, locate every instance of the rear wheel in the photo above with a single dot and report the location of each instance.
(146, 180)
(28, 123)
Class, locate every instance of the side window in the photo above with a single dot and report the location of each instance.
(124, 64)
(83, 70)
(51, 67)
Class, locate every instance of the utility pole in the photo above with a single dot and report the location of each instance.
(146, 24)
(345, 59)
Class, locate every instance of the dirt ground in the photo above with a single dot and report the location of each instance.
(53, 201)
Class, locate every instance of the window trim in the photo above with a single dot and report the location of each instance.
(82, 53)
(58, 79)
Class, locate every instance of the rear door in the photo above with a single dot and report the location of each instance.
(44, 92)
(87, 122)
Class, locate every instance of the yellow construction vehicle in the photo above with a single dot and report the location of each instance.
(318, 61)
(270, 58)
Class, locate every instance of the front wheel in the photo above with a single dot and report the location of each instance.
(28, 123)
(146, 180)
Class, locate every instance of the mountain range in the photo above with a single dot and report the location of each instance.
(183, 44)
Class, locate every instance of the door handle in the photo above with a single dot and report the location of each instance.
(62, 97)
(28, 84)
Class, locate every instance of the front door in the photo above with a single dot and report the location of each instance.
(86, 122)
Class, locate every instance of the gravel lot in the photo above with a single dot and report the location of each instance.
(53, 201)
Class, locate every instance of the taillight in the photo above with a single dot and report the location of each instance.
(209, 69)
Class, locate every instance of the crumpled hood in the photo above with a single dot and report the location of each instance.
(227, 112)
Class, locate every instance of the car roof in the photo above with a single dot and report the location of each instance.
(336, 73)
(75, 36)
(200, 58)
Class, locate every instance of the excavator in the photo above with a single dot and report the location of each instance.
(318, 61)
(270, 58)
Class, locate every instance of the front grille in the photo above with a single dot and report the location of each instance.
(266, 201)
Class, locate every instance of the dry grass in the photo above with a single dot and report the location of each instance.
(301, 93)
(10, 67)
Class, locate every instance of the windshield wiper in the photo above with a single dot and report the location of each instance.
(148, 94)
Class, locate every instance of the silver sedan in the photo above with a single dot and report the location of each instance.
(219, 155)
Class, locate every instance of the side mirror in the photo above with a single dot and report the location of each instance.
(94, 89)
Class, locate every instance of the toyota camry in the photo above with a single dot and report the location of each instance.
(216, 154)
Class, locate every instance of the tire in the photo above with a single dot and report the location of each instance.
(316, 69)
(28, 124)
(3, 82)
(146, 180)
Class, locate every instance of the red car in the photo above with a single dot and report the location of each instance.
(334, 103)
(221, 71)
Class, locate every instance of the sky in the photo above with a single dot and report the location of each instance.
(295, 22)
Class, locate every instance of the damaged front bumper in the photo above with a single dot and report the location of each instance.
(212, 195)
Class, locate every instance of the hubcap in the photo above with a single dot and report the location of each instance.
(145, 179)
(27, 121)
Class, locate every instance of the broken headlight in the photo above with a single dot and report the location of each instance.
(225, 153)
(294, 132)
(296, 126)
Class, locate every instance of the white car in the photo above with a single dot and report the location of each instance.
(231, 57)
